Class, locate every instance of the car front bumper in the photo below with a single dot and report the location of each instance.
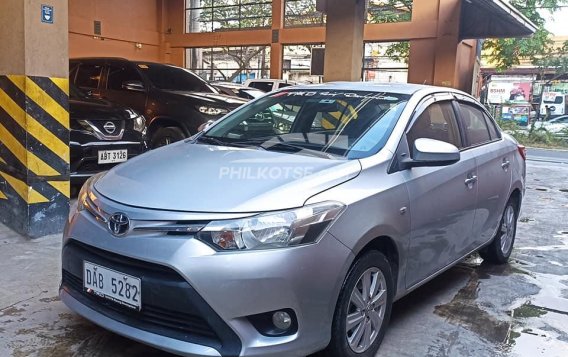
(222, 288)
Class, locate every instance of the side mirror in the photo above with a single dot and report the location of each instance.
(136, 86)
(430, 152)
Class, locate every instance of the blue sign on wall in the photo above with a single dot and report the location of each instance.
(47, 14)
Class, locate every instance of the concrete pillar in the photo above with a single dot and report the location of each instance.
(34, 116)
(276, 48)
(442, 60)
(344, 40)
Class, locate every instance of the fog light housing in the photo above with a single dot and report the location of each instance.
(275, 323)
(281, 320)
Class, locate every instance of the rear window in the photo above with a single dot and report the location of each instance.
(263, 86)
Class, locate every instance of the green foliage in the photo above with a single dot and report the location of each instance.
(508, 52)
(539, 137)
(383, 11)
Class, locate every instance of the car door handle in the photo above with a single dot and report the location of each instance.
(505, 165)
(471, 180)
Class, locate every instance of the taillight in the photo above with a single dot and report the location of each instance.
(523, 151)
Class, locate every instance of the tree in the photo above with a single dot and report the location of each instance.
(507, 52)
(388, 11)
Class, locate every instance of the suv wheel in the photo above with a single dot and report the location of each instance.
(166, 136)
(500, 248)
(363, 309)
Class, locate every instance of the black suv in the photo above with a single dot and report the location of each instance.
(102, 135)
(175, 101)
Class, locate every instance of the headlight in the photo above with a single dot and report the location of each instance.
(212, 110)
(83, 197)
(140, 124)
(138, 120)
(272, 230)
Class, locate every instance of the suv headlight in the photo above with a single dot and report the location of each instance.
(212, 110)
(138, 120)
(272, 230)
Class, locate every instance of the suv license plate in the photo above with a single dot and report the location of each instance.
(112, 156)
(112, 285)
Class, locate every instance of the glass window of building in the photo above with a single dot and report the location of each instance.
(302, 13)
(386, 62)
(382, 11)
(297, 64)
(229, 64)
(218, 15)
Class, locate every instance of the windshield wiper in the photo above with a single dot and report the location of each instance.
(217, 141)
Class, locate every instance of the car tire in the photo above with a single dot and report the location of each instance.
(500, 248)
(369, 321)
(166, 136)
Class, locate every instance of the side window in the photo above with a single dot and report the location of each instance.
(89, 76)
(493, 131)
(263, 86)
(437, 122)
(474, 124)
(117, 75)
(73, 68)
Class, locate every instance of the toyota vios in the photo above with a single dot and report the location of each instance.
(293, 223)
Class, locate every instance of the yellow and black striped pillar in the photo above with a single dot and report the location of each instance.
(34, 116)
(34, 153)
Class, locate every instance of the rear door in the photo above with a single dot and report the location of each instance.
(442, 199)
(494, 157)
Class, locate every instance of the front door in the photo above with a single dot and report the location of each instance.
(442, 199)
(117, 75)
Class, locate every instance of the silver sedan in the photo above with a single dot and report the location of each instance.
(293, 224)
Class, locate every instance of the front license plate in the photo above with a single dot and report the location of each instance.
(112, 156)
(112, 285)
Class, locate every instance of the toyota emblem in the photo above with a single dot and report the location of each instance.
(119, 224)
(109, 127)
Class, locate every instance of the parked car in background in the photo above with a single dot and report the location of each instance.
(367, 193)
(553, 104)
(174, 101)
(557, 125)
(268, 85)
(102, 135)
(237, 90)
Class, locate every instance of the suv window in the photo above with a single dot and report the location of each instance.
(173, 78)
(474, 124)
(437, 122)
(263, 86)
(89, 76)
(117, 75)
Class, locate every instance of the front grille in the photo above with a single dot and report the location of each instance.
(92, 166)
(170, 306)
(100, 125)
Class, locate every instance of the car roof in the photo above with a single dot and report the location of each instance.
(401, 88)
(269, 80)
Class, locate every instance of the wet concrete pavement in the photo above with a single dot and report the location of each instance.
(474, 309)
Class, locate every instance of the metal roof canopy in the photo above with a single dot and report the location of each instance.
(482, 19)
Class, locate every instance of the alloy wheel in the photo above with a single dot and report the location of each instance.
(366, 311)
(507, 229)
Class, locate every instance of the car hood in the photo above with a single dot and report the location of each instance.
(95, 109)
(214, 99)
(205, 178)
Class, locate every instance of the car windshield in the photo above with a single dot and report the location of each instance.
(174, 78)
(327, 123)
